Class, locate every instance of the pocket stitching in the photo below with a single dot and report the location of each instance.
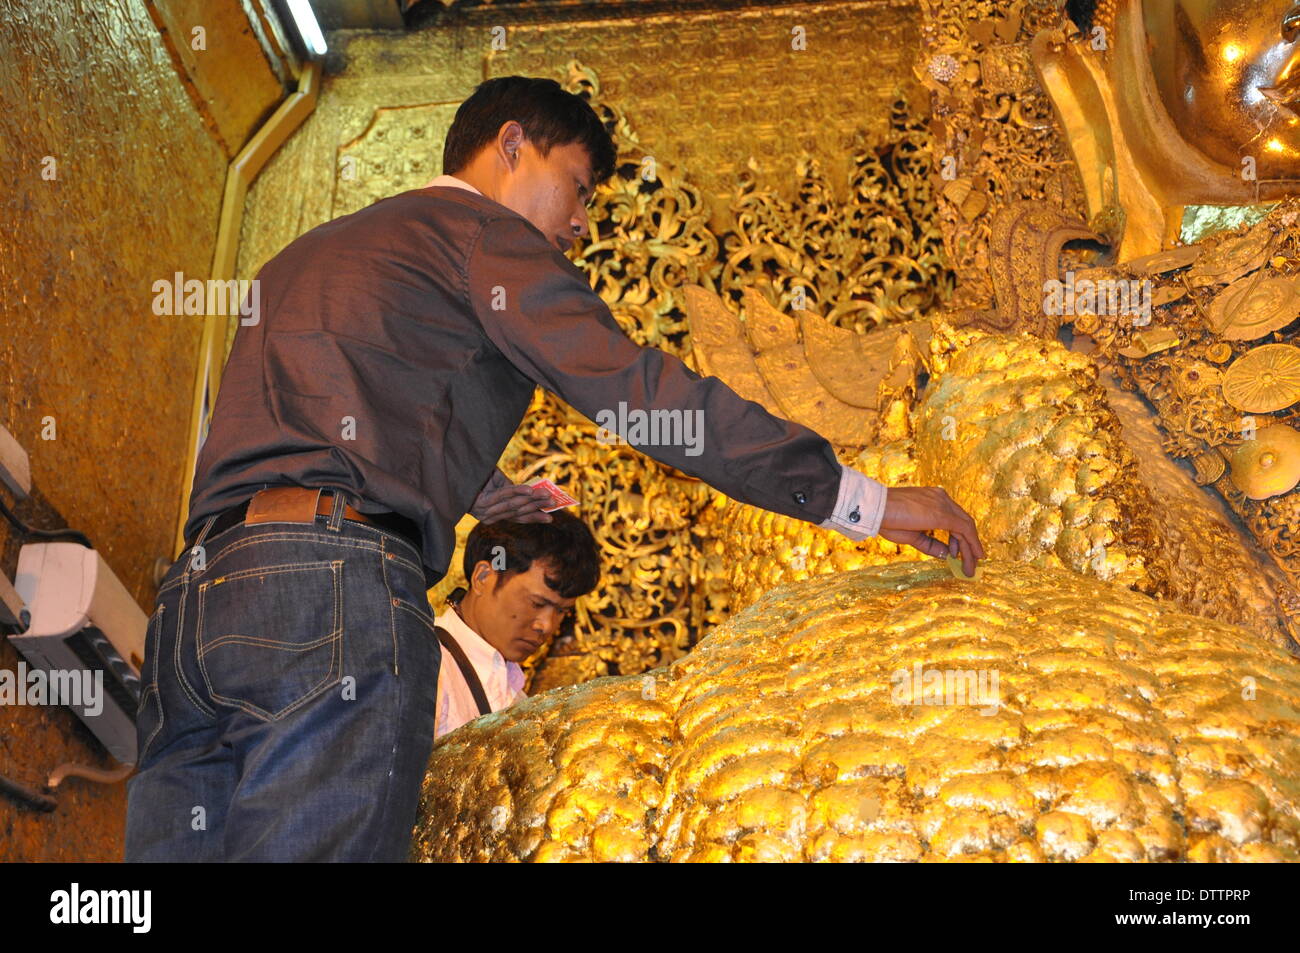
(184, 682)
(333, 676)
(427, 620)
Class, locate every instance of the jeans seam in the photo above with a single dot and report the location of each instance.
(270, 570)
(176, 655)
(394, 719)
(153, 686)
(427, 620)
(392, 615)
(286, 536)
(408, 564)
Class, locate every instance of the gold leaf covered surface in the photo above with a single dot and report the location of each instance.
(1024, 436)
(1124, 730)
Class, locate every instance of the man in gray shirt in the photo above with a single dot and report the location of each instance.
(291, 666)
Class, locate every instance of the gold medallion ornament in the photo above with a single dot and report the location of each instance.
(1218, 352)
(1264, 379)
(1163, 262)
(1196, 378)
(1269, 464)
(1235, 256)
(1087, 324)
(1251, 307)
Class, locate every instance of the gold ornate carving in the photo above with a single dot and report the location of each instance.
(995, 138)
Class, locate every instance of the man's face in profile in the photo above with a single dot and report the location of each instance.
(519, 613)
(552, 191)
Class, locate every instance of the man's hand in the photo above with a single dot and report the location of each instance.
(912, 511)
(502, 500)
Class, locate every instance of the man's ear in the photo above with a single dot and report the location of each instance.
(478, 580)
(509, 140)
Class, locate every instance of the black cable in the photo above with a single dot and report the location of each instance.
(27, 531)
(25, 795)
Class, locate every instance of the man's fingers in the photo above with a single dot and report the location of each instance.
(518, 504)
(963, 546)
(964, 531)
(917, 540)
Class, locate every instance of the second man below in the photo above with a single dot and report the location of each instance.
(523, 579)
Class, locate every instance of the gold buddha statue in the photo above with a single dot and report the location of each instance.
(1175, 103)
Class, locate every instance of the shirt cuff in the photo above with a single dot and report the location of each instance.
(859, 507)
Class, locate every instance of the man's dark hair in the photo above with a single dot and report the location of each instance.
(565, 543)
(550, 116)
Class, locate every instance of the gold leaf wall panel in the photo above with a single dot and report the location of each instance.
(135, 198)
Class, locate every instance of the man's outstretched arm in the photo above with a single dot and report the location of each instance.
(538, 310)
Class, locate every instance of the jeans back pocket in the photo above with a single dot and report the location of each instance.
(271, 638)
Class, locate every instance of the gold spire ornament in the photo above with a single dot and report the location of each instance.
(1251, 307)
(1264, 379)
(1268, 465)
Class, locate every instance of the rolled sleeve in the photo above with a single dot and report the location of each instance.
(538, 310)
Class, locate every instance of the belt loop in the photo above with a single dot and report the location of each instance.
(189, 554)
(336, 514)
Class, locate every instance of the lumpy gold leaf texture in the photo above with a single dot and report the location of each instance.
(1118, 728)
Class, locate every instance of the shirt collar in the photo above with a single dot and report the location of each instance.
(453, 182)
(477, 649)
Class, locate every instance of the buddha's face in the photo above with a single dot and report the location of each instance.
(1228, 72)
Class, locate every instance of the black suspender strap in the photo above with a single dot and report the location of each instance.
(467, 670)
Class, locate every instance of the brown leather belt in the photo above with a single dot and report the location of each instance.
(300, 504)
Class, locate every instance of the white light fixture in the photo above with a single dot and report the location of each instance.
(308, 28)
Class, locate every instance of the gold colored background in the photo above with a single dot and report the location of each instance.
(136, 196)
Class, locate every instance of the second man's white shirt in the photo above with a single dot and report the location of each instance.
(503, 681)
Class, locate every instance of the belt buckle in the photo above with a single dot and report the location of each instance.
(283, 504)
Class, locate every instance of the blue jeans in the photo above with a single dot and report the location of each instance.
(287, 707)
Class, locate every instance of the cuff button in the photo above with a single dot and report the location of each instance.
(855, 515)
(800, 499)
